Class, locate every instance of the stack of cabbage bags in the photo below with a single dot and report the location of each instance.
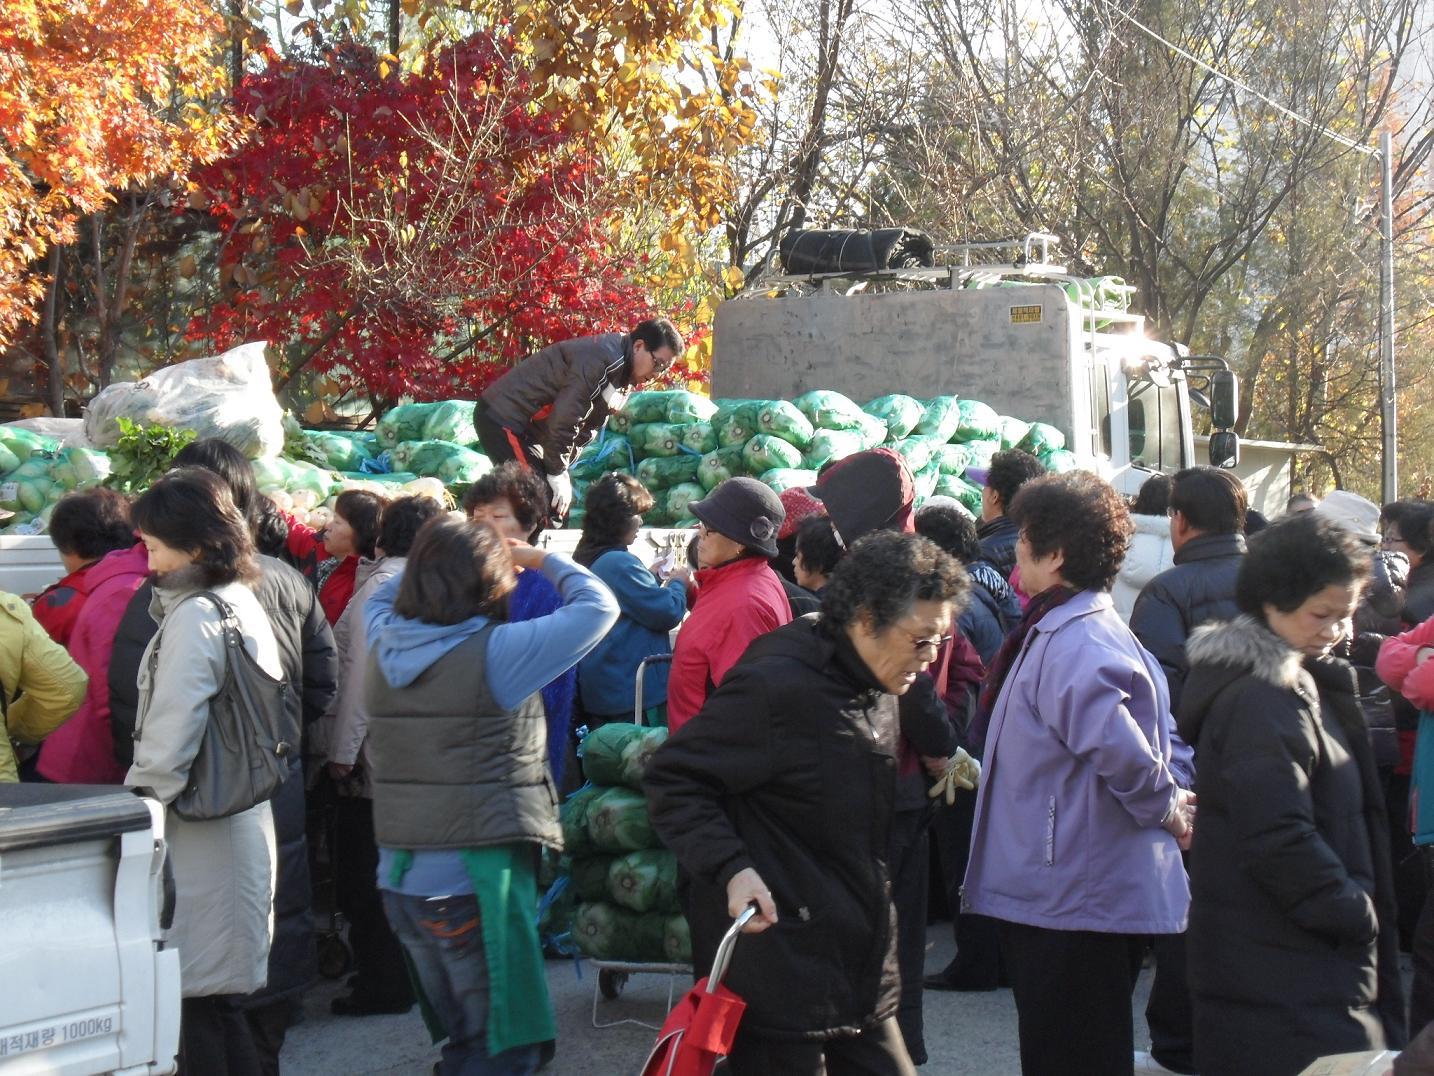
(35, 472)
(433, 440)
(680, 445)
(623, 882)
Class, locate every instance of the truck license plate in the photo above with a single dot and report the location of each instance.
(47, 1034)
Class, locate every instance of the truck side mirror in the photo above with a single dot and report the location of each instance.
(1224, 400)
(1224, 449)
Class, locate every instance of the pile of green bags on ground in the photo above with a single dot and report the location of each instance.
(680, 446)
(622, 883)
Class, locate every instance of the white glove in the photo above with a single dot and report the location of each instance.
(962, 771)
(562, 489)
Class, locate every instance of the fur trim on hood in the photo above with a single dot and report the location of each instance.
(1245, 643)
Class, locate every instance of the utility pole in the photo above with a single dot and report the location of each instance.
(1388, 417)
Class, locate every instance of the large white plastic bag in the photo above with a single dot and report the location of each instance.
(229, 396)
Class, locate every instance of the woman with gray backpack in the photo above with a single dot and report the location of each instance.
(213, 660)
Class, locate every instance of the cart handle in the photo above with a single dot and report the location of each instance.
(725, 947)
(638, 710)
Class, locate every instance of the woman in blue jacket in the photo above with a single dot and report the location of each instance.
(607, 678)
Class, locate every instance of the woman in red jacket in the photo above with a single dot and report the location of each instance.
(350, 535)
(739, 597)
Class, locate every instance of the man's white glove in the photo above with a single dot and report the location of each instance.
(562, 489)
(962, 771)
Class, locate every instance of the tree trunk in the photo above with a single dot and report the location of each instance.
(51, 339)
(395, 12)
(236, 44)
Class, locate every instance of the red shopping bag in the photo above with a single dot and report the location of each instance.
(700, 1029)
(697, 1033)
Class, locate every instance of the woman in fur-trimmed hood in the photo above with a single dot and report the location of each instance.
(1292, 941)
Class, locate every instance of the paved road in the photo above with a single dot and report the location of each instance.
(966, 1034)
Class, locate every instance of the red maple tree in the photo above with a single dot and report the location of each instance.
(409, 233)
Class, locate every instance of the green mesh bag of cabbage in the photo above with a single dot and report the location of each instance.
(604, 931)
(644, 881)
(618, 821)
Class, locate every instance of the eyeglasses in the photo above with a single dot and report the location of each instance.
(920, 643)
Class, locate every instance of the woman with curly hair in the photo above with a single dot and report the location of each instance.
(781, 793)
(607, 678)
(1081, 815)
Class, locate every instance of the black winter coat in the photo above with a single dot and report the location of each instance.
(997, 538)
(1199, 589)
(1293, 943)
(790, 768)
(306, 648)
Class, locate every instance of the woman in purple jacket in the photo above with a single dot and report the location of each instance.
(1081, 814)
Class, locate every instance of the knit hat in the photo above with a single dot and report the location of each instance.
(799, 505)
(868, 491)
(1354, 513)
(745, 511)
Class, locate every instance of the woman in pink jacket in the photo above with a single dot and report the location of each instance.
(81, 751)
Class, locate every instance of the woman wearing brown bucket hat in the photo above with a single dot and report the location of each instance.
(738, 595)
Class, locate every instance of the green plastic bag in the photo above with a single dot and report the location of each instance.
(940, 419)
(644, 881)
(602, 748)
(464, 468)
(603, 931)
(573, 817)
(8, 460)
(639, 751)
(736, 425)
(610, 452)
(900, 413)
(917, 451)
(677, 941)
(953, 459)
(452, 420)
(978, 422)
(84, 468)
(685, 408)
(618, 821)
(339, 452)
(831, 445)
(766, 451)
(426, 457)
(700, 437)
(716, 467)
(1042, 438)
(1012, 431)
(589, 876)
(646, 407)
(965, 493)
(26, 443)
(659, 473)
(657, 516)
(782, 419)
(1058, 461)
(981, 452)
(681, 496)
(827, 410)
(781, 479)
(925, 480)
(406, 422)
(655, 439)
(872, 431)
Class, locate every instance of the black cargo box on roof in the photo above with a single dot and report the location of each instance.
(839, 251)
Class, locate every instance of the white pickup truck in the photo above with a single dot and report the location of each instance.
(84, 899)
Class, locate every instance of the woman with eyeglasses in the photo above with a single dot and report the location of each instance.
(739, 596)
(781, 794)
(1081, 815)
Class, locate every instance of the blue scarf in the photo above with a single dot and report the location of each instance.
(533, 597)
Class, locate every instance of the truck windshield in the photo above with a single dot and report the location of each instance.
(1156, 438)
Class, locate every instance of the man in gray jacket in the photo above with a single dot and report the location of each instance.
(544, 410)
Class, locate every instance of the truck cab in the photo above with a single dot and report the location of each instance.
(1024, 336)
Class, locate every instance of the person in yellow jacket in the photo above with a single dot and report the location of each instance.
(40, 684)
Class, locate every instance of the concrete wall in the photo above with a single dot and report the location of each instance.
(1005, 346)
